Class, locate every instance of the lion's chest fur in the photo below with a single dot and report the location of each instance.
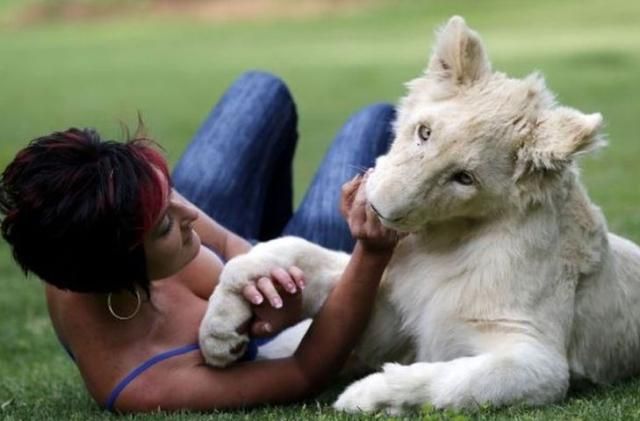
(457, 300)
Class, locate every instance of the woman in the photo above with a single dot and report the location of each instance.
(130, 263)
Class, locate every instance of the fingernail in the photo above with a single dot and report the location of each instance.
(291, 288)
(302, 284)
(268, 328)
(277, 303)
(256, 299)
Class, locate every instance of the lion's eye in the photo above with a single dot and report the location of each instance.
(463, 177)
(424, 132)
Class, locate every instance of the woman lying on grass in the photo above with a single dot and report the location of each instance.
(130, 263)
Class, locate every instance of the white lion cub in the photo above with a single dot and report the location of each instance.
(509, 283)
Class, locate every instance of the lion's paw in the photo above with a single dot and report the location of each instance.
(367, 395)
(221, 341)
(221, 348)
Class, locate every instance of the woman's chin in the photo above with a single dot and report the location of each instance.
(191, 249)
(194, 245)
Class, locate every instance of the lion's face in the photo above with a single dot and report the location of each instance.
(468, 140)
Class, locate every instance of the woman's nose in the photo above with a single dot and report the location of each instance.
(188, 214)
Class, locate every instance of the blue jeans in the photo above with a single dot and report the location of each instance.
(238, 167)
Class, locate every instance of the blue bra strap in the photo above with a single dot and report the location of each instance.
(252, 348)
(144, 366)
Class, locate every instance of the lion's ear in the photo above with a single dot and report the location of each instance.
(560, 135)
(459, 57)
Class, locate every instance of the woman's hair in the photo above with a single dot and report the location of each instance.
(77, 207)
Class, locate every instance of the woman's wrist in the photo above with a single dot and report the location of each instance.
(372, 256)
(378, 252)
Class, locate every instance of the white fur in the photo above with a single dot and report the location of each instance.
(505, 289)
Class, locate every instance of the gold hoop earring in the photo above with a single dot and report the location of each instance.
(130, 316)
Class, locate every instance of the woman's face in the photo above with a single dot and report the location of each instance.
(172, 242)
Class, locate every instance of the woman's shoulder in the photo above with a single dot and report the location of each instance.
(107, 350)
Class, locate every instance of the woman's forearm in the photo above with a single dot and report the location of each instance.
(235, 245)
(214, 235)
(221, 239)
(339, 324)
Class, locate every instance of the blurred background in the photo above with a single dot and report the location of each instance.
(98, 62)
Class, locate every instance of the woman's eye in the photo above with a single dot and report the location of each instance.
(463, 177)
(166, 228)
(424, 132)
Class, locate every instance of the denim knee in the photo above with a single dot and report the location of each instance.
(375, 112)
(271, 85)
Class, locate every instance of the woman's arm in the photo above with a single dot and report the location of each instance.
(334, 332)
(228, 244)
(323, 351)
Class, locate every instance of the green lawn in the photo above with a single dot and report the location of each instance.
(173, 70)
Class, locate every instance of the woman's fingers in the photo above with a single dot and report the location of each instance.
(357, 213)
(268, 290)
(284, 279)
(251, 294)
(291, 280)
(372, 219)
(349, 190)
(277, 319)
(298, 276)
(365, 225)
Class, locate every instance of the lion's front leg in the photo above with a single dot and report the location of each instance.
(220, 341)
(523, 372)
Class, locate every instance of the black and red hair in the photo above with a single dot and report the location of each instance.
(76, 209)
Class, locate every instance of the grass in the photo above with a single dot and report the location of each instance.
(98, 73)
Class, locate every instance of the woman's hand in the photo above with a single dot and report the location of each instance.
(276, 300)
(364, 224)
(269, 321)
